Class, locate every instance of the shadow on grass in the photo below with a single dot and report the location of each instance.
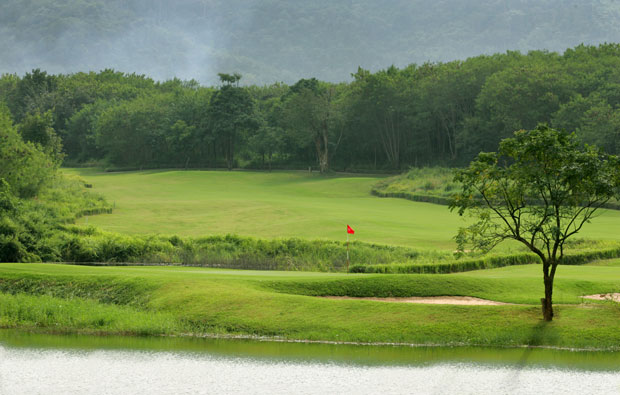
(540, 335)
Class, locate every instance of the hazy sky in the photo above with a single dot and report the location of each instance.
(278, 40)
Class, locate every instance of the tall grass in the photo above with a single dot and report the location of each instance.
(95, 247)
(89, 245)
(428, 184)
(69, 197)
(30, 230)
(582, 252)
(79, 315)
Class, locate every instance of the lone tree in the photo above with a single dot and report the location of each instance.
(539, 189)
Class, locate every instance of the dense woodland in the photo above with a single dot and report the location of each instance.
(392, 119)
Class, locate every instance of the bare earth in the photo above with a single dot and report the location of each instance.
(611, 296)
(459, 300)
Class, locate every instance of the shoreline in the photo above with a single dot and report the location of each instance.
(279, 339)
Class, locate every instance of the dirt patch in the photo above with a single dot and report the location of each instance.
(457, 300)
(610, 296)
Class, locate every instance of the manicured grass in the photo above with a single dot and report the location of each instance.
(172, 300)
(279, 204)
(185, 300)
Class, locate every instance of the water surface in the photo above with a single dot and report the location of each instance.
(42, 364)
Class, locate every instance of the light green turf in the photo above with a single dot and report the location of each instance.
(278, 204)
(196, 300)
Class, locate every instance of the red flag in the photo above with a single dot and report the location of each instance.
(350, 230)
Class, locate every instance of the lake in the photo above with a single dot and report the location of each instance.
(48, 364)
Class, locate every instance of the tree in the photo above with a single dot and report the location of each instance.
(34, 92)
(133, 133)
(24, 166)
(37, 129)
(518, 97)
(231, 111)
(380, 104)
(539, 189)
(310, 113)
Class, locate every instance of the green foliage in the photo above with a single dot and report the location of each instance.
(450, 265)
(433, 114)
(380, 104)
(77, 315)
(539, 189)
(428, 184)
(580, 256)
(230, 251)
(23, 166)
(231, 113)
(310, 115)
(29, 227)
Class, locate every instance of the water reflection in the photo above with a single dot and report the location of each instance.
(34, 364)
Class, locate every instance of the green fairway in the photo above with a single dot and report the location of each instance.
(279, 204)
(176, 300)
(187, 300)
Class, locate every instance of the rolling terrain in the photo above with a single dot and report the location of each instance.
(280, 204)
(284, 305)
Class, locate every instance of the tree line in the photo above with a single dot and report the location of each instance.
(389, 120)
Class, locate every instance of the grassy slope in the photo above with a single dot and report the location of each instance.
(172, 300)
(279, 204)
(175, 300)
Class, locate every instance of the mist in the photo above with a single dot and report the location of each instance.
(277, 40)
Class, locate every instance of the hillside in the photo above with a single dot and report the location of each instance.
(277, 40)
(279, 204)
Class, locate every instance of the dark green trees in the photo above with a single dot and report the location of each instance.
(231, 112)
(23, 165)
(310, 115)
(540, 188)
(420, 115)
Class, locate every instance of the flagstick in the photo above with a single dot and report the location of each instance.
(347, 252)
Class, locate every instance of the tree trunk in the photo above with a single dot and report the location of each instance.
(375, 158)
(322, 152)
(214, 160)
(230, 152)
(324, 162)
(547, 307)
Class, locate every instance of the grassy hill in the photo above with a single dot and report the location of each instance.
(279, 204)
(173, 301)
(195, 301)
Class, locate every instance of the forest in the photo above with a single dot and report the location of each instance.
(384, 121)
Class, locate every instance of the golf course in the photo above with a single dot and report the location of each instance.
(281, 204)
(293, 305)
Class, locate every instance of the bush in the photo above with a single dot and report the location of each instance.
(486, 262)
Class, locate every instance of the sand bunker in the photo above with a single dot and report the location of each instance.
(610, 296)
(459, 300)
